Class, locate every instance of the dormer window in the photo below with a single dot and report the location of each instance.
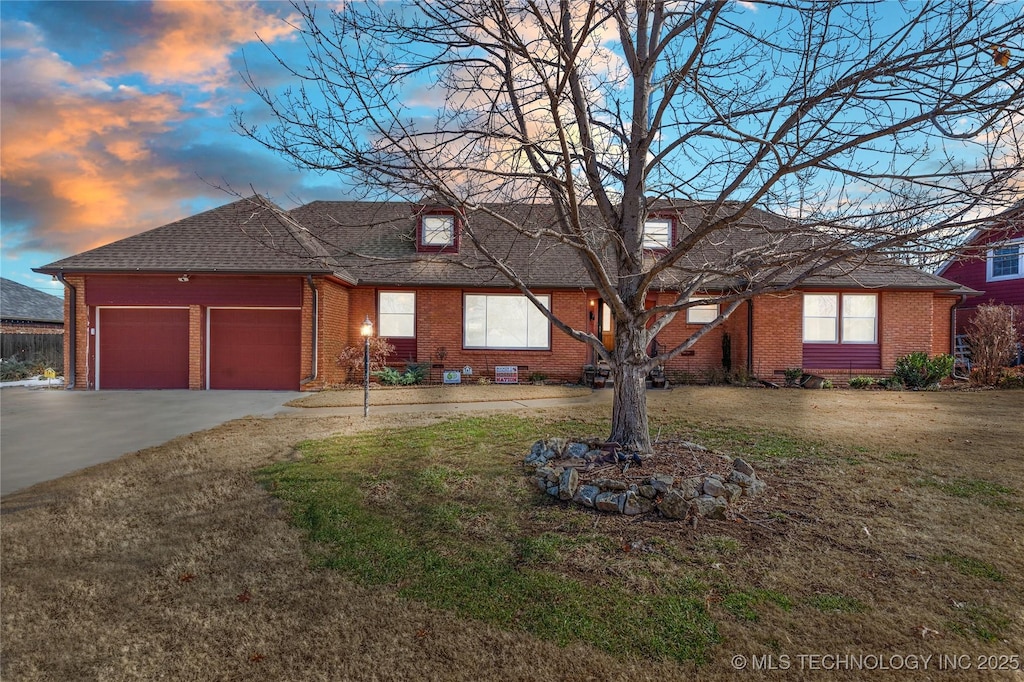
(438, 232)
(657, 234)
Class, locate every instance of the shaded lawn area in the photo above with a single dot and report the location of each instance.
(851, 544)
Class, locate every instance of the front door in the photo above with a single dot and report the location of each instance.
(605, 326)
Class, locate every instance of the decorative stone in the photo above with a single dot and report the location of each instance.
(732, 492)
(557, 445)
(648, 491)
(691, 487)
(674, 505)
(662, 482)
(576, 449)
(710, 507)
(567, 484)
(553, 491)
(541, 482)
(714, 487)
(575, 463)
(610, 484)
(609, 502)
(634, 504)
(585, 495)
(752, 487)
(741, 466)
(593, 455)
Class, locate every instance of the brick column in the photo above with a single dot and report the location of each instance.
(196, 349)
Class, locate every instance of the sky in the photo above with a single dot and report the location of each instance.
(116, 117)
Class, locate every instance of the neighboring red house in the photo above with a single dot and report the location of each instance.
(230, 299)
(993, 263)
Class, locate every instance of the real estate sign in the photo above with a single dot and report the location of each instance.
(506, 374)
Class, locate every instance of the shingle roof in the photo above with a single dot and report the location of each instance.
(240, 237)
(22, 303)
(374, 243)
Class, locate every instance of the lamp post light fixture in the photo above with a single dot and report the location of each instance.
(366, 331)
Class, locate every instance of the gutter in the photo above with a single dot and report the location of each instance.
(316, 317)
(69, 382)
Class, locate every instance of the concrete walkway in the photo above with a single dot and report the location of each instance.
(45, 434)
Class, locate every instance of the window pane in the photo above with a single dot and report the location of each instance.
(820, 305)
(820, 329)
(438, 230)
(701, 314)
(656, 234)
(476, 321)
(504, 321)
(821, 317)
(858, 330)
(397, 314)
(859, 315)
(1005, 262)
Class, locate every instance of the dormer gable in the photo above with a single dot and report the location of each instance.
(438, 229)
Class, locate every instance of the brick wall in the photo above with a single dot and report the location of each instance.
(82, 337)
(778, 333)
(941, 323)
(333, 330)
(707, 352)
(905, 324)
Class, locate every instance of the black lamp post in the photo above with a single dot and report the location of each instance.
(366, 331)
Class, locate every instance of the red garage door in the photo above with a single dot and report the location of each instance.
(143, 348)
(255, 349)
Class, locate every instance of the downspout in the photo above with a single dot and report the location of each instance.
(952, 324)
(73, 314)
(316, 344)
(750, 337)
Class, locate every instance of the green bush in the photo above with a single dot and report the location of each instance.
(862, 382)
(414, 373)
(793, 375)
(917, 370)
(1012, 377)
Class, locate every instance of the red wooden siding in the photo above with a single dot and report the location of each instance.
(842, 356)
(206, 290)
(255, 349)
(143, 348)
(405, 349)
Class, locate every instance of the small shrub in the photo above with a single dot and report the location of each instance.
(792, 375)
(827, 383)
(352, 356)
(993, 338)
(538, 377)
(862, 382)
(917, 370)
(414, 373)
(1012, 377)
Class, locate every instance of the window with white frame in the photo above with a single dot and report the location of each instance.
(835, 318)
(508, 321)
(701, 314)
(396, 314)
(657, 233)
(438, 230)
(1005, 262)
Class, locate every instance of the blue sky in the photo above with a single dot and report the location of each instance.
(116, 118)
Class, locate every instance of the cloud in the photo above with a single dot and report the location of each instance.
(104, 138)
(192, 42)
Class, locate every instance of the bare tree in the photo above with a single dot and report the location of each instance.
(871, 127)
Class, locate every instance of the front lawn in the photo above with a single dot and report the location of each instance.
(854, 548)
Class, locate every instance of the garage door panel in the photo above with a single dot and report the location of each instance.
(255, 349)
(143, 348)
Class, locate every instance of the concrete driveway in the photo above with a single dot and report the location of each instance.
(45, 434)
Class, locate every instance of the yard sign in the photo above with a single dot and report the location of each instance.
(506, 374)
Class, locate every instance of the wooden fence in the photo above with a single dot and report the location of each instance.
(46, 349)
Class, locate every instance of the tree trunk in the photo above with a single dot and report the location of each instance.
(629, 409)
(629, 372)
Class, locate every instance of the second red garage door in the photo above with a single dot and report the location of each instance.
(255, 349)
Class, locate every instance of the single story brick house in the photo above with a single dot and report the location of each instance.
(993, 265)
(240, 297)
(23, 310)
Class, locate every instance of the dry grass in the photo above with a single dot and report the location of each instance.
(172, 563)
(429, 394)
